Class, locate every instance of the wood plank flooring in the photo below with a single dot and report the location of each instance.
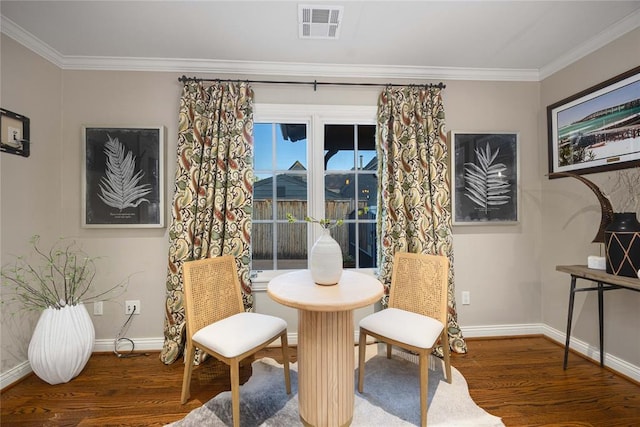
(518, 379)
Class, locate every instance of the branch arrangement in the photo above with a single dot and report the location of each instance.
(61, 276)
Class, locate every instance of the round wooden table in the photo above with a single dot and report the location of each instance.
(325, 340)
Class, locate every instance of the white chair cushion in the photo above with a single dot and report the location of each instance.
(239, 333)
(404, 326)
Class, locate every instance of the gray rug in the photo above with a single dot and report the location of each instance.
(390, 398)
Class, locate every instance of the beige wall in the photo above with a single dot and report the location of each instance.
(499, 264)
(571, 216)
(502, 266)
(104, 98)
(30, 187)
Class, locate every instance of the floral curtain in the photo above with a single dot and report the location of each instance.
(211, 210)
(414, 202)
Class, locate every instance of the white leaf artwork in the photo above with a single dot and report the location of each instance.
(119, 186)
(486, 183)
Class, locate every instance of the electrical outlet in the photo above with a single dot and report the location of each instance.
(466, 298)
(14, 137)
(132, 306)
(97, 308)
(14, 134)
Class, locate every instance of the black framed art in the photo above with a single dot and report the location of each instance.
(123, 177)
(14, 135)
(597, 129)
(485, 170)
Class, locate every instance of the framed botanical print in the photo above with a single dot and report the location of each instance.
(123, 177)
(485, 171)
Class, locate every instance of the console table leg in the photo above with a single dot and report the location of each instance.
(601, 320)
(572, 294)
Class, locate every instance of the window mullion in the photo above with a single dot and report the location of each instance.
(274, 192)
(356, 194)
(316, 177)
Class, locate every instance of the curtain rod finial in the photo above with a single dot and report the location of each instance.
(185, 79)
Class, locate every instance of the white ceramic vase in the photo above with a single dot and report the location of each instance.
(62, 343)
(325, 260)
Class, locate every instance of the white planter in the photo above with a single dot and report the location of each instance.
(62, 343)
(325, 260)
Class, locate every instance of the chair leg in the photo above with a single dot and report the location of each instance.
(235, 392)
(389, 351)
(424, 385)
(285, 360)
(446, 352)
(362, 343)
(188, 367)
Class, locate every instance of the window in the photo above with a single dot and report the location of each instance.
(351, 189)
(280, 187)
(318, 161)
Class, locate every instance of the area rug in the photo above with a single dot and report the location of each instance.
(390, 398)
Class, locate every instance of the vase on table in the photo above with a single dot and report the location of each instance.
(325, 260)
(622, 245)
(62, 343)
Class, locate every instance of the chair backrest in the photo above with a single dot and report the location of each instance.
(419, 283)
(211, 291)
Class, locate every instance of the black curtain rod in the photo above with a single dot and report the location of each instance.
(315, 83)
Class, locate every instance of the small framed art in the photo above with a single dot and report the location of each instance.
(123, 177)
(14, 135)
(485, 171)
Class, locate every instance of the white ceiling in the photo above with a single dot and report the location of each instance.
(485, 40)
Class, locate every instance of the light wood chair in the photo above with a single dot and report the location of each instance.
(415, 318)
(217, 323)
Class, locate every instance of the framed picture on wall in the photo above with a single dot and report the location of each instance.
(14, 135)
(123, 177)
(485, 170)
(597, 129)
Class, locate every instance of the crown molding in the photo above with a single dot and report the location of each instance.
(31, 42)
(622, 27)
(209, 66)
(257, 68)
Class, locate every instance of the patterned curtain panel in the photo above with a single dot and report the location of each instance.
(414, 202)
(211, 210)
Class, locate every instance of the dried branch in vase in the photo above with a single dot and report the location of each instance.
(624, 190)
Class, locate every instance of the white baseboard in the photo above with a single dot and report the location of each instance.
(15, 374)
(155, 344)
(124, 346)
(103, 345)
(589, 351)
(502, 330)
(593, 352)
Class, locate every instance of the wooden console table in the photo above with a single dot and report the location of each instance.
(604, 282)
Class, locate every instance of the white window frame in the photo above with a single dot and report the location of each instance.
(315, 117)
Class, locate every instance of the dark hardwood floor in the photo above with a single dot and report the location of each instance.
(518, 379)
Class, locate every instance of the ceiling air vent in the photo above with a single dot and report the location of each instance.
(319, 22)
